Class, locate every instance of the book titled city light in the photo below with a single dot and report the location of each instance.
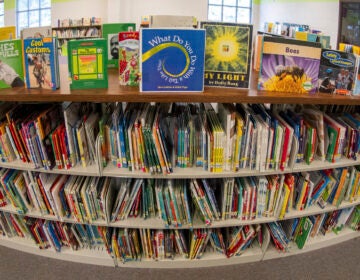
(172, 59)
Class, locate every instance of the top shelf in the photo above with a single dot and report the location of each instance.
(117, 93)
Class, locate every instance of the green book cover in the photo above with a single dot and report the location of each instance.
(11, 64)
(87, 61)
(110, 32)
(303, 231)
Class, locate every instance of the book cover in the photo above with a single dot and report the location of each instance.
(41, 63)
(172, 59)
(129, 58)
(110, 33)
(227, 54)
(36, 32)
(356, 89)
(7, 33)
(289, 65)
(337, 72)
(11, 64)
(87, 61)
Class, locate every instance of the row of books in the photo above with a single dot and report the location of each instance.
(47, 135)
(125, 244)
(175, 202)
(85, 21)
(155, 138)
(298, 231)
(77, 33)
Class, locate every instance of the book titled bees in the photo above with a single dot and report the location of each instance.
(172, 59)
(41, 63)
(289, 65)
(87, 61)
(227, 54)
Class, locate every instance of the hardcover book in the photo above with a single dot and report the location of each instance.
(36, 32)
(41, 63)
(110, 33)
(87, 61)
(172, 59)
(11, 64)
(7, 33)
(289, 65)
(356, 89)
(129, 58)
(227, 54)
(337, 72)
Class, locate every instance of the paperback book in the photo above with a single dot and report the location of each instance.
(227, 54)
(129, 58)
(172, 59)
(11, 64)
(289, 65)
(87, 61)
(337, 72)
(41, 63)
(110, 33)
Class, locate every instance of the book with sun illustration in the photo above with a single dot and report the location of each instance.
(172, 59)
(289, 65)
(87, 62)
(227, 54)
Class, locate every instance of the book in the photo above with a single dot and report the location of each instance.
(87, 61)
(337, 71)
(289, 65)
(129, 58)
(7, 33)
(356, 89)
(110, 32)
(227, 54)
(41, 63)
(172, 59)
(11, 64)
(36, 32)
(177, 21)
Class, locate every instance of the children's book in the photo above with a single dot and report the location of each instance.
(87, 61)
(36, 32)
(227, 54)
(289, 65)
(172, 59)
(129, 58)
(11, 64)
(337, 72)
(356, 89)
(110, 33)
(41, 63)
(7, 33)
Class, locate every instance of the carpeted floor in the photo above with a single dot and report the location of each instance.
(340, 261)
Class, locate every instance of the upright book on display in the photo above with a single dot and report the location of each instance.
(110, 32)
(41, 63)
(87, 61)
(337, 72)
(129, 58)
(172, 59)
(11, 64)
(227, 54)
(289, 65)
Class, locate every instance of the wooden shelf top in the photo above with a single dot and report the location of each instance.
(115, 93)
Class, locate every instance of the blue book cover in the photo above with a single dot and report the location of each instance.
(41, 63)
(172, 59)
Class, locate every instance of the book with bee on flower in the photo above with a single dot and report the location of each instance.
(289, 65)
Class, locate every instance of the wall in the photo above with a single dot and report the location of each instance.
(319, 14)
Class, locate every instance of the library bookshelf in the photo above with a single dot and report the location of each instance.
(99, 256)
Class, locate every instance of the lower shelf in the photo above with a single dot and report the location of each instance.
(315, 243)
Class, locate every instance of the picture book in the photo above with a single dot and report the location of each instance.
(110, 33)
(7, 33)
(172, 59)
(337, 72)
(356, 89)
(129, 58)
(11, 64)
(41, 63)
(36, 32)
(227, 54)
(289, 65)
(87, 61)
(160, 21)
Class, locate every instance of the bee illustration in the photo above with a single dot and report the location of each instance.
(294, 71)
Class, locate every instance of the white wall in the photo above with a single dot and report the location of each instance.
(318, 15)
